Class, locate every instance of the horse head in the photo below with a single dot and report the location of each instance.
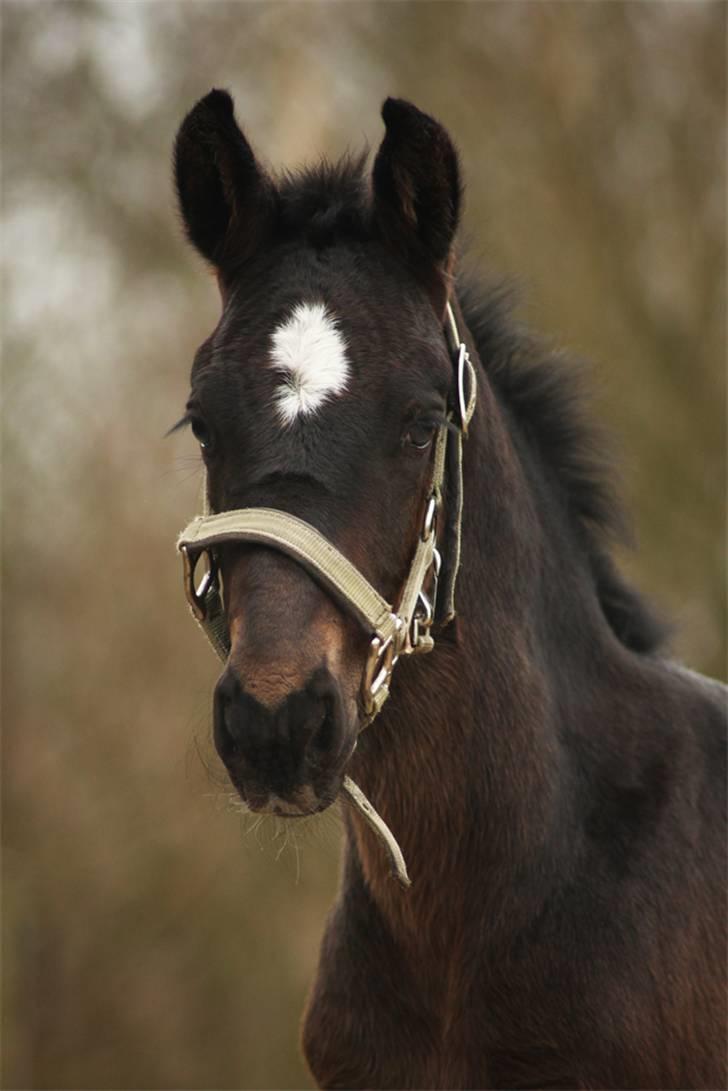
(320, 394)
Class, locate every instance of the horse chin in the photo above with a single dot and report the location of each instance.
(300, 803)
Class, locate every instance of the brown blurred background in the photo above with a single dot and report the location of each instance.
(152, 938)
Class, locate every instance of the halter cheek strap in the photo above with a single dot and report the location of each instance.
(394, 632)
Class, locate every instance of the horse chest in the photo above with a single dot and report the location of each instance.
(379, 1017)
(400, 1045)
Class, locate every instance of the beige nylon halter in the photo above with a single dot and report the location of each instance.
(403, 630)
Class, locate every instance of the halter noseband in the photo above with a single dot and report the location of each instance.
(395, 632)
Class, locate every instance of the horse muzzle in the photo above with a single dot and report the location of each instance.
(287, 759)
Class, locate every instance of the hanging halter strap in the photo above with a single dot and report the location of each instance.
(395, 631)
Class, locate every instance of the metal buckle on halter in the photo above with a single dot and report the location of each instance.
(463, 363)
(421, 624)
(383, 655)
(424, 615)
(197, 593)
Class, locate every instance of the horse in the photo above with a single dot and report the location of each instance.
(554, 780)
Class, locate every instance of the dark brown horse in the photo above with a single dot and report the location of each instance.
(556, 784)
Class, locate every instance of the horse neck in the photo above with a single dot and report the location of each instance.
(464, 763)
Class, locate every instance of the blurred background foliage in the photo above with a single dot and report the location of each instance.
(151, 936)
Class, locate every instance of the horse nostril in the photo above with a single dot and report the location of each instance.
(227, 726)
(323, 736)
(314, 715)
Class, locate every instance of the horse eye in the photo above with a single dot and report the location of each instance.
(201, 432)
(419, 435)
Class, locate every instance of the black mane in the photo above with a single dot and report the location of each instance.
(543, 390)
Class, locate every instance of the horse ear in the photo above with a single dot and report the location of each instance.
(417, 190)
(227, 201)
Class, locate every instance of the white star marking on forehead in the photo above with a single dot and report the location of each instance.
(310, 352)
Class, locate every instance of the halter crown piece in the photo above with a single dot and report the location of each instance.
(404, 630)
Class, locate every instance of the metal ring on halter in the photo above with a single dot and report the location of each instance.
(436, 566)
(196, 594)
(432, 506)
(436, 562)
(463, 361)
